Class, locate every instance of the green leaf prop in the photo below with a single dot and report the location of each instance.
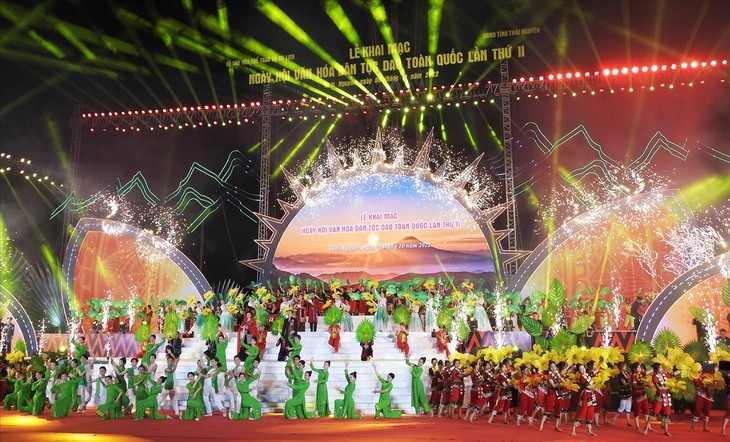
(640, 351)
(604, 291)
(262, 317)
(702, 315)
(333, 315)
(562, 341)
(697, 349)
(463, 331)
(277, 326)
(549, 315)
(531, 326)
(444, 318)
(556, 293)
(726, 292)
(143, 333)
(171, 323)
(582, 323)
(574, 301)
(365, 331)
(401, 316)
(292, 280)
(355, 296)
(20, 346)
(666, 339)
(536, 297)
(542, 342)
(209, 330)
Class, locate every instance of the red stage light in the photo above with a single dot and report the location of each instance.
(577, 75)
(568, 75)
(614, 71)
(541, 78)
(559, 76)
(644, 69)
(693, 64)
(624, 70)
(606, 72)
(635, 69)
(684, 65)
(713, 63)
(551, 76)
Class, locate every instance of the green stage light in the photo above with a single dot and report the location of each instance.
(312, 156)
(435, 11)
(377, 10)
(342, 21)
(279, 17)
(296, 149)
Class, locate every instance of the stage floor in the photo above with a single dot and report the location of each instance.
(273, 427)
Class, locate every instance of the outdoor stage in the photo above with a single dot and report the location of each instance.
(22, 427)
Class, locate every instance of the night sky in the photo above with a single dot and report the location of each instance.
(127, 55)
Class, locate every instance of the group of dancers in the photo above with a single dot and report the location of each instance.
(564, 393)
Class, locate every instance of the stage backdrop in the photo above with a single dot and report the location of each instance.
(111, 259)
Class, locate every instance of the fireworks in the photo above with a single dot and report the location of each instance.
(368, 158)
(105, 310)
(42, 338)
(690, 246)
(131, 308)
(644, 255)
(499, 315)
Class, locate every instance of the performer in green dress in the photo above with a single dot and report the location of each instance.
(418, 394)
(11, 400)
(322, 408)
(297, 405)
(150, 402)
(345, 407)
(383, 405)
(151, 349)
(253, 353)
(250, 407)
(115, 393)
(221, 345)
(194, 407)
(296, 346)
(39, 394)
(65, 389)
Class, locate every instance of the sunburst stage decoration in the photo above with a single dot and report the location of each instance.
(387, 218)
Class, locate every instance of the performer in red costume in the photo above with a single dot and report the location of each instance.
(663, 401)
(334, 340)
(526, 402)
(586, 401)
(442, 341)
(457, 388)
(444, 406)
(401, 337)
(436, 384)
(703, 404)
(503, 394)
(640, 403)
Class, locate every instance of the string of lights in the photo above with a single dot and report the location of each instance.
(22, 166)
(553, 85)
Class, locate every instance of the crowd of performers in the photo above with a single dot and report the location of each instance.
(563, 394)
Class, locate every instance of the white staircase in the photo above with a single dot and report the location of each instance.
(273, 392)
